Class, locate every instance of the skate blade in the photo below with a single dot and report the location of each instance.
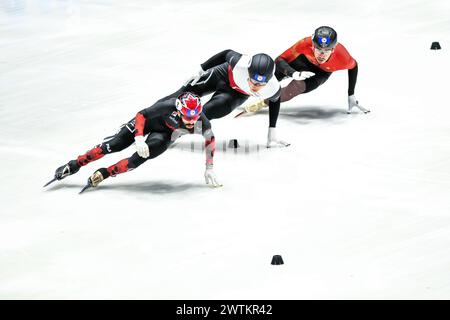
(240, 114)
(85, 188)
(51, 181)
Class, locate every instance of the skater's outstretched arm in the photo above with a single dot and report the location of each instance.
(274, 110)
(352, 102)
(352, 77)
(210, 141)
(284, 67)
(210, 148)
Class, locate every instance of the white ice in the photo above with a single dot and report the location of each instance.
(358, 205)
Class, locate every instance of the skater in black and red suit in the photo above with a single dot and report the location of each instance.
(310, 62)
(163, 122)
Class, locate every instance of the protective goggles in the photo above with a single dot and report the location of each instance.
(257, 82)
(190, 118)
(323, 51)
(191, 115)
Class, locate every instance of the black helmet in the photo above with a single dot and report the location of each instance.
(324, 38)
(261, 68)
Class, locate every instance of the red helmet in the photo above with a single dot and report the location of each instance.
(189, 105)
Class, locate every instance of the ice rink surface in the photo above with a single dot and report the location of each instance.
(358, 205)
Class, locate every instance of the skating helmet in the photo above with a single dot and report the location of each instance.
(324, 38)
(261, 68)
(189, 105)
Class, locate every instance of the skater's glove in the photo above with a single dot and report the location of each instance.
(193, 80)
(302, 75)
(141, 147)
(352, 102)
(210, 176)
(273, 142)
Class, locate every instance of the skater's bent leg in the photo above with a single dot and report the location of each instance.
(123, 139)
(222, 104)
(157, 144)
(91, 155)
(298, 87)
(293, 89)
(205, 85)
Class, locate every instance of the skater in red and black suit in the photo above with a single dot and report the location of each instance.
(162, 123)
(312, 60)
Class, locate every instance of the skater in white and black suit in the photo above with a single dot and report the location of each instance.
(232, 78)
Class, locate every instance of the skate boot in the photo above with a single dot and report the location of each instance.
(252, 108)
(256, 106)
(97, 177)
(64, 171)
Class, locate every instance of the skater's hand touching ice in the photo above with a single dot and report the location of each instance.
(141, 147)
(273, 142)
(352, 102)
(210, 177)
